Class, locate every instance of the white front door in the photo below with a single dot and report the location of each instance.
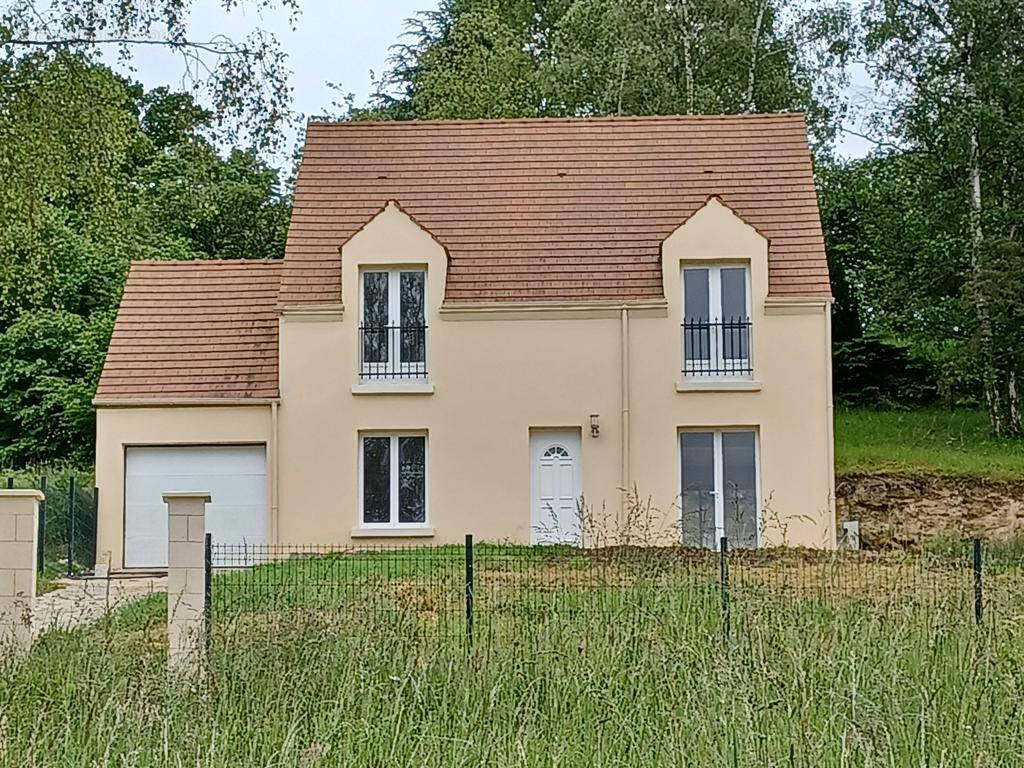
(556, 480)
(234, 475)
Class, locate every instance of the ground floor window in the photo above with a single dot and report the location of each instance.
(719, 487)
(393, 480)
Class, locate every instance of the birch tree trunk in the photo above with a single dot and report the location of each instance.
(1001, 405)
(755, 47)
(989, 377)
(687, 58)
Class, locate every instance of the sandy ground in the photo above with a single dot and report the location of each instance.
(80, 601)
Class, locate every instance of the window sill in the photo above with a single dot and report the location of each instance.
(411, 532)
(393, 388)
(718, 385)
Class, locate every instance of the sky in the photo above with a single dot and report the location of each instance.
(333, 41)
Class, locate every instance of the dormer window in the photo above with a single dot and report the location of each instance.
(716, 321)
(393, 332)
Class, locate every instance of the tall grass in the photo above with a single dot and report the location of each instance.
(564, 671)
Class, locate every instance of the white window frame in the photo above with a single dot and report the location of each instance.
(717, 361)
(410, 370)
(393, 481)
(719, 474)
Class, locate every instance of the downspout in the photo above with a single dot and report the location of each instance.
(830, 446)
(275, 507)
(624, 342)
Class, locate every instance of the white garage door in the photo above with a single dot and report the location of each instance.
(235, 476)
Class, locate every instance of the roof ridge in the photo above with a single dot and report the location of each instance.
(568, 120)
(211, 262)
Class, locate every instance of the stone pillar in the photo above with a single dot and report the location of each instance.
(186, 579)
(19, 525)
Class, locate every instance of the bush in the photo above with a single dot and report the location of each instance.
(875, 373)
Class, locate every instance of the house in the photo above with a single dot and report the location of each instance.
(477, 325)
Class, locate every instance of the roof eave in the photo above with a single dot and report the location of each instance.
(164, 402)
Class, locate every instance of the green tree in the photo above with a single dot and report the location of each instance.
(62, 193)
(897, 270)
(153, 187)
(483, 68)
(699, 56)
(203, 205)
(954, 70)
(66, 130)
(517, 58)
(246, 82)
(50, 361)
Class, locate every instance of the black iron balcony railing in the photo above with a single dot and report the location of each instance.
(717, 348)
(393, 352)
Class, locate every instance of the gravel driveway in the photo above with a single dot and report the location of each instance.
(81, 601)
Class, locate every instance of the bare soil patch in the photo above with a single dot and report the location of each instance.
(899, 511)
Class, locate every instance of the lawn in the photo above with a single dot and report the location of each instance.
(928, 441)
(577, 660)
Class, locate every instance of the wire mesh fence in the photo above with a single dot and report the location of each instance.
(416, 590)
(514, 595)
(67, 520)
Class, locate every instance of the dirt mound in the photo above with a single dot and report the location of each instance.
(900, 510)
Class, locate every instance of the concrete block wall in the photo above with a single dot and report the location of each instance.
(186, 579)
(19, 526)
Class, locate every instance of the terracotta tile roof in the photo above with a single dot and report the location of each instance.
(567, 209)
(195, 329)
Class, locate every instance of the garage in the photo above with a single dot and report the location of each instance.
(234, 475)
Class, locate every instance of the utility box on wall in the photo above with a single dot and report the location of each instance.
(849, 535)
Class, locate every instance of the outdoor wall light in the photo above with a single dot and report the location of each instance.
(595, 428)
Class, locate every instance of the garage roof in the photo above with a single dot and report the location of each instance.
(555, 209)
(195, 330)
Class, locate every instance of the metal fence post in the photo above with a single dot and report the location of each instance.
(469, 589)
(71, 523)
(207, 587)
(42, 526)
(95, 525)
(723, 556)
(977, 582)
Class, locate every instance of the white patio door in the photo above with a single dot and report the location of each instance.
(556, 486)
(719, 471)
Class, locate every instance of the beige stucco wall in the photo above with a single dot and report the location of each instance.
(495, 374)
(790, 409)
(492, 381)
(495, 379)
(121, 427)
